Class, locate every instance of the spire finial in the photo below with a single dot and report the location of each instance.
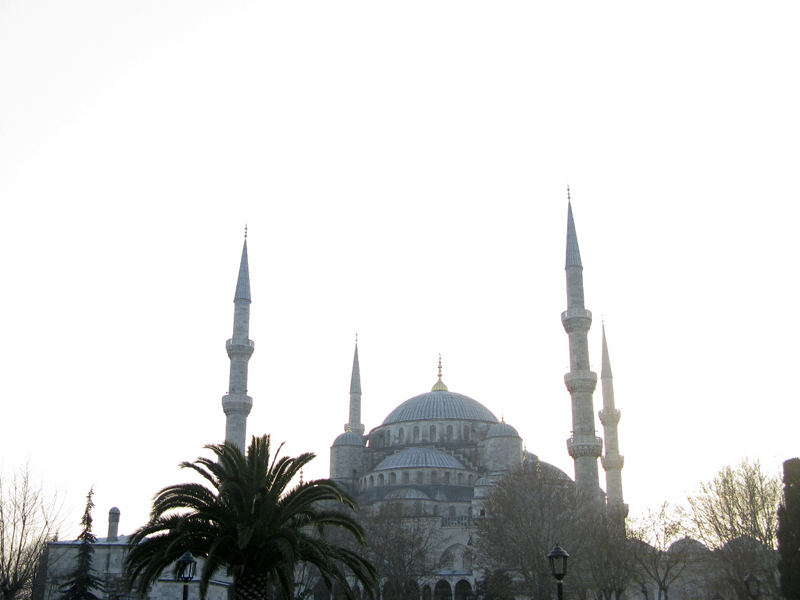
(569, 198)
(439, 386)
(301, 476)
(245, 231)
(356, 338)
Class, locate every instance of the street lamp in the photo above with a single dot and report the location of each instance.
(186, 567)
(558, 567)
(753, 585)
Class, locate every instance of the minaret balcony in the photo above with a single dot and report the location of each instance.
(239, 348)
(613, 463)
(609, 416)
(585, 445)
(580, 381)
(231, 342)
(576, 319)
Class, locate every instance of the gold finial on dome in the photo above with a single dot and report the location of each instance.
(439, 386)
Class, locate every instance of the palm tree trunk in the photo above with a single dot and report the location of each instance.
(251, 587)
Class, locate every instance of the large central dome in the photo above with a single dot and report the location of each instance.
(440, 405)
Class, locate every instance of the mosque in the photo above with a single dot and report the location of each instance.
(442, 451)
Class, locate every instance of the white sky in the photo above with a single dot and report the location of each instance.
(402, 167)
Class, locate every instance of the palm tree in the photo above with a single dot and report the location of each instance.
(246, 520)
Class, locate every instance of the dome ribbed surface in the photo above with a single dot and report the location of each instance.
(501, 430)
(348, 438)
(440, 405)
(419, 457)
(407, 494)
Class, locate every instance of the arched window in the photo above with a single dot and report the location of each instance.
(460, 479)
(447, 478)
(427, 594)
(466, 433)
(371, 481)
(392, 478)
(451, 510)
(416, 434)
(442, 591)
(406, 478)
(433, 477)
(419, 477)
(433, 433)
(401, 436)
(380, 479)
(470, 480)
(388, 438)
(449, 433)
(463, 588)
(435, 510)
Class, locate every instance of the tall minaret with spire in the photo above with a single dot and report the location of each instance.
(609, 417)
(584, 446)
(355, 425)
(236, 403)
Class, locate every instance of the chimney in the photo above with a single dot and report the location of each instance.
(113, 524)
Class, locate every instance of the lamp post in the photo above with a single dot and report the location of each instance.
(752, 585)
(186, 568)
(558, 567)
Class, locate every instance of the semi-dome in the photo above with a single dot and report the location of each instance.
(348, 438)
(407, 493)
(419, 457)
(553, 472)
(440, 405)
(502, 429)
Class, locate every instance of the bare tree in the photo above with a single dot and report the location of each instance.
(29, 518)
(610, 556)
(402, 544)
(735, 514)
(527, 513)
(660, 557)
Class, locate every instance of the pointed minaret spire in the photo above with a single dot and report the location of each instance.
(584, 446)
(609, 417)
(355, 424)
(573, 251)
(236, 403)
(439, 386)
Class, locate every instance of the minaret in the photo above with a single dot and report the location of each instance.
(355, 425)
(609, 417)
(584, 446)
(236, 403)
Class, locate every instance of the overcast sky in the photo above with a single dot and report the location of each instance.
(402, 168)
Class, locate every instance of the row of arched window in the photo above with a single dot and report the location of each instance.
(442, 590)
(430, 434)
(405, 478)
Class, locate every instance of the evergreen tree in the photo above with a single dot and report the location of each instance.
(789, 531)
(81, 581)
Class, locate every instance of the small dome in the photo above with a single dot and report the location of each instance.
(483, 482)
(502, 430)
(348, 438)
(419, 457)
(407, 494)
(440, 405)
